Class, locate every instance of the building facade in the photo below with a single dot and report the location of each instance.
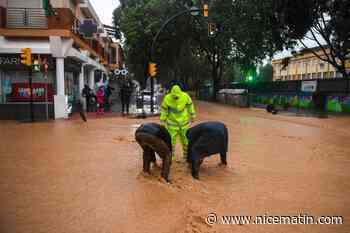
(303, 66)
(50, 29)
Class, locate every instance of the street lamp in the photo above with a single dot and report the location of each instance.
(195, 11)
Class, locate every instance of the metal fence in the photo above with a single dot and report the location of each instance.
(324, 86)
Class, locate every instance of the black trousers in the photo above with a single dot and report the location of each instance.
(125, 104)
(88, 104)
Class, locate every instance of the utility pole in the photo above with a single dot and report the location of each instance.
(31, 95)
(26, 59)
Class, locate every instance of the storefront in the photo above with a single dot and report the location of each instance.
(15, 91)
(54, 93)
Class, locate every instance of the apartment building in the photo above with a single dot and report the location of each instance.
(50, 29)
(304, 65)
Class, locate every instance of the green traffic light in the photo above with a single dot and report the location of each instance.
(250, 78)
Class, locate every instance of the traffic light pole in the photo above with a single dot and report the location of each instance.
(155, 41)
(31, 95)
(152, 95)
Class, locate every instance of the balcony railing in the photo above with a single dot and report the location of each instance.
(26, 18)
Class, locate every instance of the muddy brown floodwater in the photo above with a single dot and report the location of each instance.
(72, 177)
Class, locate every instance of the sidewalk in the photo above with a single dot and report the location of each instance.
(116, 111)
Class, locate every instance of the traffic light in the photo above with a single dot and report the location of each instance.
(250, 76)
(26, 56)
(212, 29)
(36, 66)
(206, 10)
(152, 69)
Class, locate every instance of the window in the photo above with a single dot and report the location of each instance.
(332, 74)
(2, 95)
(322, 66)
(325, 75)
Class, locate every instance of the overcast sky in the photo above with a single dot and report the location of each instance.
(104, 9)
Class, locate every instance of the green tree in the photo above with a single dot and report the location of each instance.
(248, 32)
(324, 22)
(330, 31)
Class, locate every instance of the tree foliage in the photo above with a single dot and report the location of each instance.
(249, 31)
(330, 31)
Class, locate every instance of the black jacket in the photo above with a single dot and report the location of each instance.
(156, 130)
(206, 139)
(126, 89)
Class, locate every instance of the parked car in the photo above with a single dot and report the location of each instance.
(147, 96)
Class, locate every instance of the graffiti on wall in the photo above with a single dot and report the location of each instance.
(21, 92)
(338, 104)
(285, 101)
(334, 103)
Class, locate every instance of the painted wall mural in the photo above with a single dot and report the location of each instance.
(338, 104)
(334, 103)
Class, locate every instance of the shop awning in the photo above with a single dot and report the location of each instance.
(74, 53)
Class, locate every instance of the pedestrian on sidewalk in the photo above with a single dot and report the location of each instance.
(125, 94)
(88, 94)
(177, 113)
(100, 95)
(108, 92)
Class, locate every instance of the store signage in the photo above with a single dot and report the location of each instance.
(309, 86)
(21, 92)
(121, 72)
(8, 60)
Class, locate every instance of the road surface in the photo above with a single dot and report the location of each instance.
(70, 176)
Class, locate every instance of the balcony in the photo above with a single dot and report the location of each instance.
(26, 18)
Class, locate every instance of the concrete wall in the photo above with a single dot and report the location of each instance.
(3, 3)
(64, 4)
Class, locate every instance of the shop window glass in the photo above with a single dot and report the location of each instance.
(5, 87)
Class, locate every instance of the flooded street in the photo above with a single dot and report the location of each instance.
(70, 176)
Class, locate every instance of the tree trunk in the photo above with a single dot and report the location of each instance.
(342, 69)
(217, 73)
(216, 81)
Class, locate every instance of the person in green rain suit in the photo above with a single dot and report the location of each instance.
(177, 113)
